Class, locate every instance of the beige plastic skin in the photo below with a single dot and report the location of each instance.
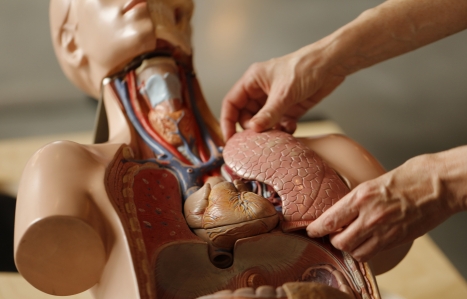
(68, 237)
(113, 33)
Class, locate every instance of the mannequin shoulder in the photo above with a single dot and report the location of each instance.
(71, 155)
(349, 158)
(64, 166)
(333, 142)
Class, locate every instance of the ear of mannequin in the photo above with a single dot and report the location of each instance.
(74, 54)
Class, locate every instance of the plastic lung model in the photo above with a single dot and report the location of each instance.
(306, 185)
(153, 212)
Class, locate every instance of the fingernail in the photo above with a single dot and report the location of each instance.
(254, 125)
(259, 124)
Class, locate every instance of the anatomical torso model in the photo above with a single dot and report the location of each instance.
(165, 209)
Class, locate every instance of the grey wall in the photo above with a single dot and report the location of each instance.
(28, 68)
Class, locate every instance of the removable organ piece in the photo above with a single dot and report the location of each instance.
(305, 184)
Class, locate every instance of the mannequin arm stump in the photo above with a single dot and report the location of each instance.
(61, 237)
(61, 255)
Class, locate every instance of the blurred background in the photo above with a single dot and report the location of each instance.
(410, 105)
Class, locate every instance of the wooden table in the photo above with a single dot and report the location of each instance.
(425, 273)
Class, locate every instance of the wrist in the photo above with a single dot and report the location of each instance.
(431, 184)
(326, 56)
(453, 174)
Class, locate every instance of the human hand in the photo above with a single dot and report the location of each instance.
(276, 93)
(392, 209)
(279, 91)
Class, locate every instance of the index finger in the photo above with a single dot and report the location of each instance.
(235, 100)
(229, 118)
(336, 217)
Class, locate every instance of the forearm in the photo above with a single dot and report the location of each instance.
(434, 184)
(388, 30)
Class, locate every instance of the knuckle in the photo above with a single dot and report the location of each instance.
(283, 92)
(255, 68)
(375, 213)
(364, 193)
(364, 253)
(329, 224)
(340, 244)
(359, 257)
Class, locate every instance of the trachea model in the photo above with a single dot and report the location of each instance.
(163, 208)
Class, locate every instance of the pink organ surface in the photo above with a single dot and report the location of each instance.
(305, 184)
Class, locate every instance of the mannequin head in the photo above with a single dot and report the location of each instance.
(97, 38)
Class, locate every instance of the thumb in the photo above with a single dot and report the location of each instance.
(270, 115)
